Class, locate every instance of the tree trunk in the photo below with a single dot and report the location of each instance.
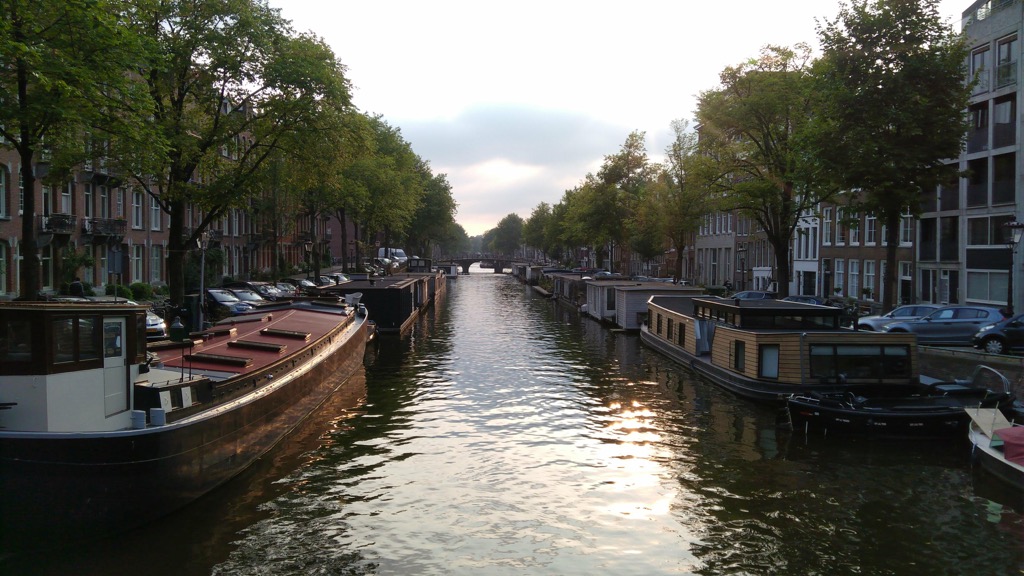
(892, 273)
(29, 285)
(176, 249)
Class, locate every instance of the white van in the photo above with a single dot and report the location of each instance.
(395, 254)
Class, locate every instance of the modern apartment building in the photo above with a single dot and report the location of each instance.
(963, 249)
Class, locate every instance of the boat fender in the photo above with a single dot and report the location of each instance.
(138, 419)
(158, 417)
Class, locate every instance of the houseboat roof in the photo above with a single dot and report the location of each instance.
(750, 314)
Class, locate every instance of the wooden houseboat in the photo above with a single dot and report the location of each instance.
(99, 434)
(623, 303)
(767, 349)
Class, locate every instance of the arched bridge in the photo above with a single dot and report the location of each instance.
(496, 261)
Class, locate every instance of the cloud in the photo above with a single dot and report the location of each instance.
(502, 159)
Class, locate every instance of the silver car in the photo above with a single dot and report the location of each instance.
(949, 325)
(908, 312)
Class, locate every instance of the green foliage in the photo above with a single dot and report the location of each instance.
(756, 127)
(141, 291)
(73, 261)
(119, 290)
(892, 93)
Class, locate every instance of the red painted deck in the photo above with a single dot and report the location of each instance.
(248, 329)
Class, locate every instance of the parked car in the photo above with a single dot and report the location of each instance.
(754, 295)
(266, 290)
(1002, 337)
(250, 297)
(156, 327)
(222, 303)
(949, 325)
(285, 289)
(817, 300)
(337, 277)
(906, 312)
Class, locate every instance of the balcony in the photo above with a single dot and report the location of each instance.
(106, 227)
(57, 224)
(1006, 74)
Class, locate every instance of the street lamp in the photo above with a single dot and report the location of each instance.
(308, 247)
(1013, 238)
(202, 242)
(741, 251)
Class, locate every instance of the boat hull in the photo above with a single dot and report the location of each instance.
(922, 416)
(70, 485)
(992, 460)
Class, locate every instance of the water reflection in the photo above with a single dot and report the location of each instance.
(505, 435)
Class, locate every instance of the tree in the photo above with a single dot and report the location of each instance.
(435, 218)
(534, 229)
(893, 90)
(63, 74)
(756, 128)
(508, 235)
(688, 191)
(227, 80)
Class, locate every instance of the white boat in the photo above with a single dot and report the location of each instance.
(998, 444)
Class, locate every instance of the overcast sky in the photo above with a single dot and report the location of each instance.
(516, 103)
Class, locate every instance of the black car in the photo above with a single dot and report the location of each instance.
(1002, 337)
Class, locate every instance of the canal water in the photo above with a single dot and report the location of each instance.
(508, 435)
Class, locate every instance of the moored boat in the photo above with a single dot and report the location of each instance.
(998, 444)
(765, 350)
(934, 410)
(97, 434)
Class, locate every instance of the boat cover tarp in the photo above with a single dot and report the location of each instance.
(1013, 443)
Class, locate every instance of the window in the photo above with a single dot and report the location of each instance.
(768, 361)
(66, 194)
(979, 68)
(739, 359)
(826, 228)
(21, 193)
(840, 274)
(987, 286)
(840, 228)
(137, 210)
(3, 194)
(138, 256)
(119, 195)
(155, 263)
(1004, 121)
(854, 279)
(906, 229)
(855, 230)
(87, 196)
(154, 214)
(681, 334)
(1006, 62)
(859, 361)
(668, 331)
(104, 202)
(1004, 175)
(870, 229)
(869, 278)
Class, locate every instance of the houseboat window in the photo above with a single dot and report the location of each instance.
(17, 343)
(739, 359)
(859, 361)
(658, 328)
(682, 334)
(668, 333)
(113, 340)
(609, 300)
(768, 365)
(74, 339)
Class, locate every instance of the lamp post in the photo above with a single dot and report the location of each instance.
(1016, 230)
(308, 247)
(741, 251)
(202, 242)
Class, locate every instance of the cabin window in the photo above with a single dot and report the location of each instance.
(859, 362)
(609, 297)
(74, 339)
(668, 330)
(739, 356)
(658, 327)
(17, 343)
(768, 364)
(682, 334)
(113, 340)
